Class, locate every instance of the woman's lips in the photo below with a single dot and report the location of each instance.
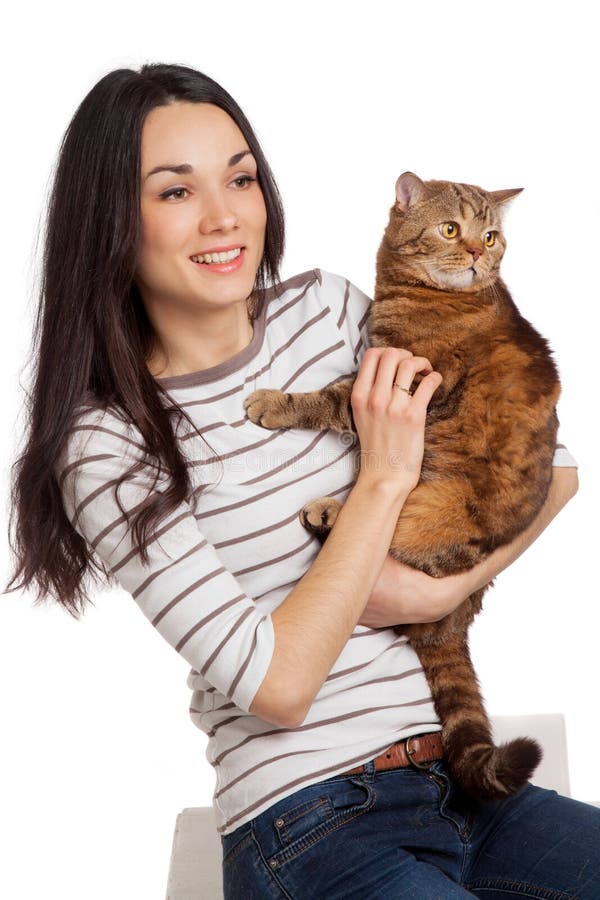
(223, 268)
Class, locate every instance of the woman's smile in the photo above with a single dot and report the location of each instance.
(221, 260)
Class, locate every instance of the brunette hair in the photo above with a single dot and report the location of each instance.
(91, 332)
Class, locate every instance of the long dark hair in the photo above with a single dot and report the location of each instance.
(91, 331)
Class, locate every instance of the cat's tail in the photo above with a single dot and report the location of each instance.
(480, 768)
(491, 772)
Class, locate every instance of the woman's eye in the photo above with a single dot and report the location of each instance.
(243, 181)
(174, 192)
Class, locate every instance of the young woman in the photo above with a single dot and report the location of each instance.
(156, 320)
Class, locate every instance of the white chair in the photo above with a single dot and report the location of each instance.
(195, 870)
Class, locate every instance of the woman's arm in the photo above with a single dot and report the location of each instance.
(403, 595)
(314, 622)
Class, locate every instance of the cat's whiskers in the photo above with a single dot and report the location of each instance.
(494, 289)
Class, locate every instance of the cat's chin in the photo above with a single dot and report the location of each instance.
(465, 280)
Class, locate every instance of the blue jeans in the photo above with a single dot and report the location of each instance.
(410, 833)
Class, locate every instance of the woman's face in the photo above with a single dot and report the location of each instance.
(211, 205)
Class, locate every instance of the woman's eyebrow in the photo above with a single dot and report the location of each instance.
(238, 156)
(187, 169)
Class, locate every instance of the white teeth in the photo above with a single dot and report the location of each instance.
(217, 257)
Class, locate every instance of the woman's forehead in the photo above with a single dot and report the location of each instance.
(195, 134)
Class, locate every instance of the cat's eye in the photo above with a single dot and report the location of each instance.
(449, 229)
(490, 238)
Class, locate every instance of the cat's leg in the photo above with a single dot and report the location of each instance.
(319, 516)
(480, 768)
(325, 408)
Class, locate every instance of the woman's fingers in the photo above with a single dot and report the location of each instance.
(403, 397)
(408, 368)
(386, 375)
(378, 363)
(378, 366)
(426, 389)
(390, 422)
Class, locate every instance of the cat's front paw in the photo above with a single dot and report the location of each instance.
(267, 407)
(320, 515)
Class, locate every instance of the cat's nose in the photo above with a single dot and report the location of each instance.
(476, 253)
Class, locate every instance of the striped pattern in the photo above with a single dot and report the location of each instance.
(224, 560)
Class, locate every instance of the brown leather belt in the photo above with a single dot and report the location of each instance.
(418, 750)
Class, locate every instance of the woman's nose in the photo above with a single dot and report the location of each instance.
(217, 215)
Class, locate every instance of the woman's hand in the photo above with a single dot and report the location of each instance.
(390, 421)
(403, 596)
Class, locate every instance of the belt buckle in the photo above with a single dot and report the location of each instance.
(410, 752)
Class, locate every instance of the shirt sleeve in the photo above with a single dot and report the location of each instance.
(184, 590)
(562, 457)
(351, 310)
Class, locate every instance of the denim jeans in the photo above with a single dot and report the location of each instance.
(410, 833)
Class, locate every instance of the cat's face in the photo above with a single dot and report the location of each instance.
(447, 235)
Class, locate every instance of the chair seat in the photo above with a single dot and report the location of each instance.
(195, 869)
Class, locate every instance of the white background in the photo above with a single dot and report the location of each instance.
(98, 753)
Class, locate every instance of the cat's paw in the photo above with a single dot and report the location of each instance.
(320, 515)
(267, 407)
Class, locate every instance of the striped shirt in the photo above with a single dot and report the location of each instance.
(225, 559)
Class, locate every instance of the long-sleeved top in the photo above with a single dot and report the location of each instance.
(224, 559)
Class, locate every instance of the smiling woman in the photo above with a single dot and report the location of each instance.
(160, 311)
(203, 236)
(94, 336)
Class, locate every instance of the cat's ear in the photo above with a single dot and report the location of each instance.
(499, 198)
(409, 190)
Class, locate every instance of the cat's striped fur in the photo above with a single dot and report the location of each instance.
(489, 440)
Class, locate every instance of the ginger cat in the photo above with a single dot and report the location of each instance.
(489, 439)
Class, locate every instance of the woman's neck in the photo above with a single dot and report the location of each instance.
(180, 349)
